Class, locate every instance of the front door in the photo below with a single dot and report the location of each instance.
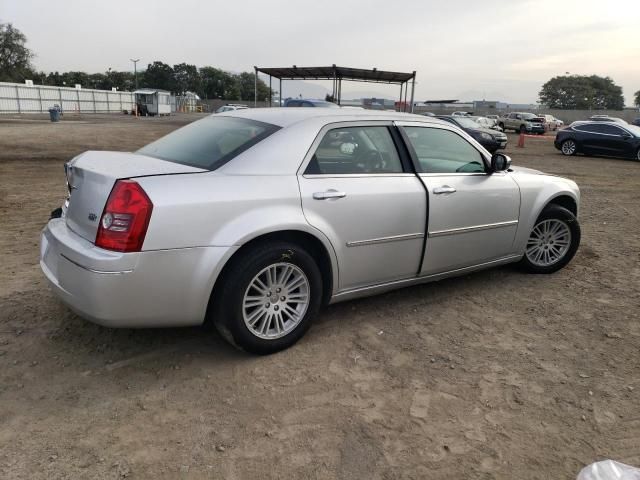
(356, 190)
(473, 214)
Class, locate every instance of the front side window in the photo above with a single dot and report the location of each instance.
(210, 142)
(443, 151)
(611, 130)
(355, 150)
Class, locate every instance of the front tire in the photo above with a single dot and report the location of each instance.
(268, 298)
(553, 242)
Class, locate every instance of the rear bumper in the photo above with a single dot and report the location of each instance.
(145, 289)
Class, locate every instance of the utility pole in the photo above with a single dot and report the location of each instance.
(135, 70)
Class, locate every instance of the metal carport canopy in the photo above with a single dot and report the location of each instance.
(337, 75)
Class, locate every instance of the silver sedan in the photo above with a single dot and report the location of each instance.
(254, 219)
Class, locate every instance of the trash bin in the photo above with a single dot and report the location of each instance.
(54, 114)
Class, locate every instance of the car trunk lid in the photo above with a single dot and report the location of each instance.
(91, 177)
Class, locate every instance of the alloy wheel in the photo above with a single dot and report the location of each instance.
(548, 243)
(569, 147)
(276, 300)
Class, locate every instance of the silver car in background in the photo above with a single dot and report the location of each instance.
(253, 219)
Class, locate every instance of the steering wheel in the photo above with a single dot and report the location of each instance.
(470, 167)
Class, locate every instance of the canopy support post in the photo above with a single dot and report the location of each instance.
(255, 87)
(413, 88)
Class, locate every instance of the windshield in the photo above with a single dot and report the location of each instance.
(210, 142)
(529, 116)
(467, 122)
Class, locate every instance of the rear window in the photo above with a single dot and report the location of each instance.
(209, 143)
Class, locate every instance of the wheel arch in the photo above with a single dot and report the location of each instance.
(320, 249)
(536, 199)
(565, 201)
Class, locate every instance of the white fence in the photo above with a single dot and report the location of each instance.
(21, 98)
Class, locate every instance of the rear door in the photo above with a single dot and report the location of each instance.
(358, 190)
(473, 215)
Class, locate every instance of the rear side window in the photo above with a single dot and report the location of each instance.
(443, 151)
(209, 143)
(355, 150)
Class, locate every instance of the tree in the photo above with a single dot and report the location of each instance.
(186, 78)
(216, 83)
(636, 101)
(246, 82)
(15, 57)
(158, 75)
(575, 92)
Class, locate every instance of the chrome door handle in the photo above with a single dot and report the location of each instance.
(443, 189)
(328, 194)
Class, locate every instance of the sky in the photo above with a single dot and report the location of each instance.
(462, 49)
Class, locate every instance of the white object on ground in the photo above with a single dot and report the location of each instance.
(609, 470)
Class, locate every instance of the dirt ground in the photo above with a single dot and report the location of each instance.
(494, 375)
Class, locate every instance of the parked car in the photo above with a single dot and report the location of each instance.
(522, 122)
(461, 114)
(606, 118)
(487, 122)
(492, 140)
(299, 102)
(254, 219)
(636, 122)
(551, 123)
(494, 117)
(600, 138)
(231, 107)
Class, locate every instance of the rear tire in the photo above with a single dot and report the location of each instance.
(553, 241)
(268, 298)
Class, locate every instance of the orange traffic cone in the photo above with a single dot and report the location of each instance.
(521, 140)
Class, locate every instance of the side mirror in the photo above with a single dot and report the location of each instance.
(500, 162)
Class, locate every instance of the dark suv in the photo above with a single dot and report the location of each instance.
(600, 138)
(490, 139)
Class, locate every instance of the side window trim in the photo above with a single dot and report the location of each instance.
(414, 156)
(302, 170)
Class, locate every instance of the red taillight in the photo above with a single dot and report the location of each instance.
(125, 219)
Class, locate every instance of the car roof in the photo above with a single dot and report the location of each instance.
(284, 117)
(597, 122)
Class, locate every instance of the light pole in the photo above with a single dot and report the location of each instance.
(135, 70)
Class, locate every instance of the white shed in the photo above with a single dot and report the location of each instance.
(151, 101)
